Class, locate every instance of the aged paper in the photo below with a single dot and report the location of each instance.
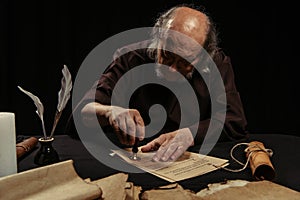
(187, 166)
(57, 181)
(242, 189)
(173, 191)
(109, 185)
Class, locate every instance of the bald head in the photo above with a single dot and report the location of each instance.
(179, 36)
(190, 22)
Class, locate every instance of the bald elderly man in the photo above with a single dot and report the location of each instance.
(182, 38)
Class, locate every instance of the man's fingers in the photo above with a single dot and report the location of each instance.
(120, 130)
(154, 144)
(122, 125)
(146, 147)
(131, 131)
(179, 151)
(169, 150)
(151, 146)
(140, 132)
(159, 154)
(140, 126)
(120, 134)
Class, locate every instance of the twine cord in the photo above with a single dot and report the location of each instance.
(268, 151)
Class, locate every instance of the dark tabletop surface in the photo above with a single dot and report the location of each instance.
(286, 161)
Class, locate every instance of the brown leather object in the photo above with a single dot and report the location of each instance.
(26, 146)
(260, 163)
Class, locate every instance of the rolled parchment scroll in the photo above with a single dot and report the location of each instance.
(260, 163)
(26, 146)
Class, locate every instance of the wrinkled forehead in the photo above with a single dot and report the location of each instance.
(180, 44)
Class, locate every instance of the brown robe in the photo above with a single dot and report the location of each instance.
(234, 127)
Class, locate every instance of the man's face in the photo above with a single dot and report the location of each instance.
(179, 53)
(175, 64)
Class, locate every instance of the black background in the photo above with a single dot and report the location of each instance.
(38, 37)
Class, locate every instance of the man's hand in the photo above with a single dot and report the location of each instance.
(170, 146)
(127, 124)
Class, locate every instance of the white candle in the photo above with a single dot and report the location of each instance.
(8, 155)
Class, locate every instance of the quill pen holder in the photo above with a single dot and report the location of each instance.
(46, 153)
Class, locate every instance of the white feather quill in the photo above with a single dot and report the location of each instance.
(39, 106)
(63, 96)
